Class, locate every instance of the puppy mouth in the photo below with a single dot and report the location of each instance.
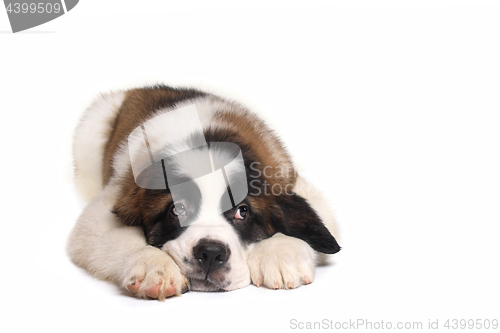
(213, 282)
(196, 284)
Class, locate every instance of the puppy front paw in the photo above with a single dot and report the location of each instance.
(282, 262)
(154, 274)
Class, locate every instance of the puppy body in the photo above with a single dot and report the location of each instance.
(128, 234)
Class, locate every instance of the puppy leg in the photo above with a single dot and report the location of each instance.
(281, 262)
(112, 251)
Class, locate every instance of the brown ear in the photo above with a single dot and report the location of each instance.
(138, 206)
(293, 216)
(128, 207)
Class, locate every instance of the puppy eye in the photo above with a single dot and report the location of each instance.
(241, 213)
(179, 209)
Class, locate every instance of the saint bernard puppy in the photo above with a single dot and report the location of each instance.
(189, 191)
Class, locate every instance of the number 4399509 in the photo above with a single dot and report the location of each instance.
(471, 324)
(40, 8)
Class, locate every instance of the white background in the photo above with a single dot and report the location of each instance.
(392, 108)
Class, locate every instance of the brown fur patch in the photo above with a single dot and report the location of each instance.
(266, 146)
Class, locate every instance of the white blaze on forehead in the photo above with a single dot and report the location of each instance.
(212, 188)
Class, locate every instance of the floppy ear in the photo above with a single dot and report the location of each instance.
(137, 206)
(128, 207)
(295, 217)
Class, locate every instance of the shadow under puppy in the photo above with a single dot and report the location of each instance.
(189, 191)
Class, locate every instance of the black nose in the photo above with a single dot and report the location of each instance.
(211, 256)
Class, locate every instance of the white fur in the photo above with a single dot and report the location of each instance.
(90, 140)
(281, 262)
